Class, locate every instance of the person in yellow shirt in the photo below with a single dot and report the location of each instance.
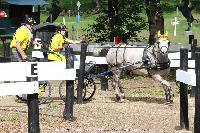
(21, 40)
(57, 42)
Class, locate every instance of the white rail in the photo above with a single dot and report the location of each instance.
(19, 71)
(188, 77)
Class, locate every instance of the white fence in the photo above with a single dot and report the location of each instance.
(19, 71)
(187, 77)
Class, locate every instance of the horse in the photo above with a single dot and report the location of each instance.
(130, 57)
(186, 10)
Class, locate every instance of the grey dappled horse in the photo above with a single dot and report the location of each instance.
(158, 64)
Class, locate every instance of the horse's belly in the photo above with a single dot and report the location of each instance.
(115, 56)
(162, 73)
(124, 55)
(141, 72)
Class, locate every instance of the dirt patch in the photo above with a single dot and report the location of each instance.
(141, 112)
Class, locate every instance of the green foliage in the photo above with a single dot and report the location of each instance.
(168, 6)
(196, 4)
(128, 22)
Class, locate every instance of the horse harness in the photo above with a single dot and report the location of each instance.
(153, 63)
(153, 60)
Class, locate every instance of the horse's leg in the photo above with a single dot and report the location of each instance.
(189, 26)
(167, 87)
(116, 83)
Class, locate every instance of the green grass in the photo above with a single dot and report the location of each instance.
(152, 91)
(9, 117)
(52, 106)
(156, 91)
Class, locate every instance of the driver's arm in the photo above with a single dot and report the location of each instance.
(19, 49)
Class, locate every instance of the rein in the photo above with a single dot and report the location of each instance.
(117, 68)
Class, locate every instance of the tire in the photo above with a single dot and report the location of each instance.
(88, 90)
(44, 92)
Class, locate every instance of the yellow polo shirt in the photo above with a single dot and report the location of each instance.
(23, 35)
(54, 55)
(57, 40)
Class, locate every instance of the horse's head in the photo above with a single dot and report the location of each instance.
(163, 42)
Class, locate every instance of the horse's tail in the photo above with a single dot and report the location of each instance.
(196, 20)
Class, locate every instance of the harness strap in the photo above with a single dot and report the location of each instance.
(51, 52)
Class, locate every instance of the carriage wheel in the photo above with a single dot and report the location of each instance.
(44, 93)
(88, 90)
(62, 89)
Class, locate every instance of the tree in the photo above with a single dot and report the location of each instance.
(54, 12)
(97, 7)
(98, 4)
(155, 19)
(122, 18)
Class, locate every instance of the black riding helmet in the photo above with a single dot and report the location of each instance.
(62, 27)
(30, 21)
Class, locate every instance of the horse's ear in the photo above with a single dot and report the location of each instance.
(158, 34)
(166, 33)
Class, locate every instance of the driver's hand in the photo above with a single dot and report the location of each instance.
(38, 43)
(24, 56)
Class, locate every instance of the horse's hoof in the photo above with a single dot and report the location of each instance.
(170, 101)
(169, 97)
(122, 100)
(118, 98)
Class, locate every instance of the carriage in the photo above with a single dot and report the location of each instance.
(121, 57)
(43, 33)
